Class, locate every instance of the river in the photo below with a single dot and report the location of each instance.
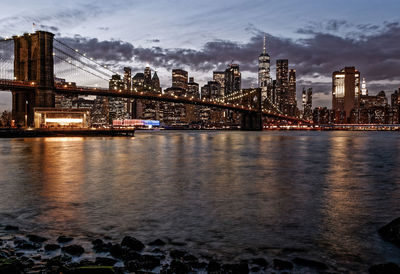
(320, 195)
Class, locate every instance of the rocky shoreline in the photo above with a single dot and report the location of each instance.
(22, 252)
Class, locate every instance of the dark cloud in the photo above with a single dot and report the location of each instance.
(108, 51)
(48, 28)
(376, 55)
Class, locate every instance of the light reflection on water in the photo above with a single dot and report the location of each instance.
(318, 194)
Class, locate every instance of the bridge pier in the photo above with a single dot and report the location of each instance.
(251, 121)
(33, 65)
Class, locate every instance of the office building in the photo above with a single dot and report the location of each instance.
(345, 90)
(233, 79)
(180, 79)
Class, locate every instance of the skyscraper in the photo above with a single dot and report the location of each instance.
(264, 78)
(307, 104)
(291, 100)
(127, 78)
(345, 90)
(219, 76)
(155, 82)
(193, 88)
(180, 79)
(364, 90)
(233, 79)
(282, 82)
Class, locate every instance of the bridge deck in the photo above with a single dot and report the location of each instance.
(8, 85)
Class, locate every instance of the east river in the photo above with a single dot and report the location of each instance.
(319, 195)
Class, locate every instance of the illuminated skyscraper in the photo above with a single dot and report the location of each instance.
(282, 82)
(345, 90)
(219, 76)
(193, 88)
(291, 100)
(127, 78)
(180, 79)
(155, 82)
(307, 104)
(364, 90)
(147, 78)
(264, 78)
(233, 79)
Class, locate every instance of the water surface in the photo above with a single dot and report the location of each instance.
(319, 195)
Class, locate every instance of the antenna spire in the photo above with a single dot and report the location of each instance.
(265, 44)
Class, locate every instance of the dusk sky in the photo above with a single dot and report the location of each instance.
(318, 37)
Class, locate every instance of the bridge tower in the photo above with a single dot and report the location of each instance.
(251, 120)
(34, 65)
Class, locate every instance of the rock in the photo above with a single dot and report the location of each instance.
(178, 267)
(213, 266)
(74, 250)
(132, 265)
(36, 239)
(10, 266)
(260, 262)
(255, 269)
(104, 261)
(387, 268)
(64, 239)
(58, 260)
(100, 246)
(157, 242)
(177, 254)
(236, 268)
(190, 258)
(5, 253)
(132, 243)
(36, 257)
(391, 232)
(149, 262)
(11, 227)
(51, 247)
(310, 263)
(281, 264)
(156, 250)
(25, 245)
(116, 251)
(97, 242)
(177, 243)
(93, 270)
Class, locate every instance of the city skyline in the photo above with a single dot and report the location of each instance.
(315, 48)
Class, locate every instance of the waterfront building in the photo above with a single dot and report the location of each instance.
(264, 78)
(180, 79)
(323, 116)
(233, 79)
(345, 90)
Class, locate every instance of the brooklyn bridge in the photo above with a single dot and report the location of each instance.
(30, 63)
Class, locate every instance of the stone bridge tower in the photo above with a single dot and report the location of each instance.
(34, 65)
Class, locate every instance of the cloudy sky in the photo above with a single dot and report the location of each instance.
(318, 37)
